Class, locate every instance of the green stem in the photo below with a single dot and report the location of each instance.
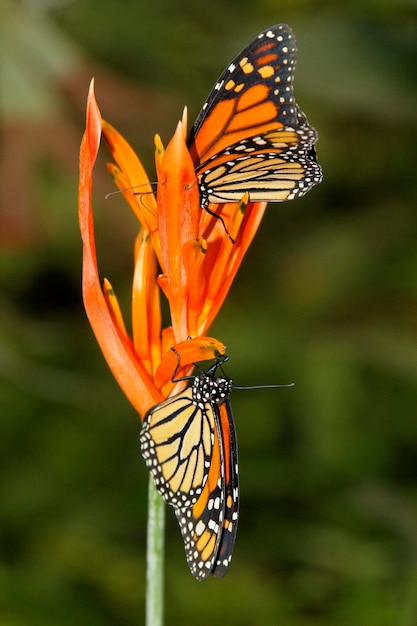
(155, 558)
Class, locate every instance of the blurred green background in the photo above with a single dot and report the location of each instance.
(326, 298)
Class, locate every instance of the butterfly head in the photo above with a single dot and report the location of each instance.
(207, 388)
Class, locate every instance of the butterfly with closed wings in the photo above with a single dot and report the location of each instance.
(189, 445)
(251, 136)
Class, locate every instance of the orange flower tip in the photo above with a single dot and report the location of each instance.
(244, 202)
(202, 244)
(159, 146)
(185, 353)
(180, 129)
(198, 349)
(218, 354)
(209, 348)
(107, 287)
(184, 121)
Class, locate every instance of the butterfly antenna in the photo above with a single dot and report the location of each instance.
(264, 386)
(136, 193)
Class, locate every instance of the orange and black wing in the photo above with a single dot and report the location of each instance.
(251, 136)
(189, 445)
(177, 441)
(231, 493)
(209, 526)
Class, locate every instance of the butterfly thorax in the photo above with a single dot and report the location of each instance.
(208, 389)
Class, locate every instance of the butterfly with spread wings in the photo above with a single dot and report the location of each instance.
(251, 136)
(189, 445)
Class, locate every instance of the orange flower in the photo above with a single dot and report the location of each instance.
(186, 243)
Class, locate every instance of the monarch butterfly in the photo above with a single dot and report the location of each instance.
(189, 445)
(250, 135)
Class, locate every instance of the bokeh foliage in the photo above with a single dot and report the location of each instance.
(327, 298)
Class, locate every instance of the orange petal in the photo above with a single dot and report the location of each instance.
(114, 308)
(194, 254)
(146, 313)
(235, 220)
(178, 201)
(162, 281)
(189, 352)
(225, 262)
(184, 122)
(131, 376)
(159, 153)
(132, 180)
(167, 339)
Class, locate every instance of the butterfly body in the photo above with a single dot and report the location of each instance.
(189, 445)
(251, 136)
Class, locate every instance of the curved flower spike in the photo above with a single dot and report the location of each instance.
(178, 201)
(128, 371)
(144, 365)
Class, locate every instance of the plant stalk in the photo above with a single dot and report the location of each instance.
(155, 558)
